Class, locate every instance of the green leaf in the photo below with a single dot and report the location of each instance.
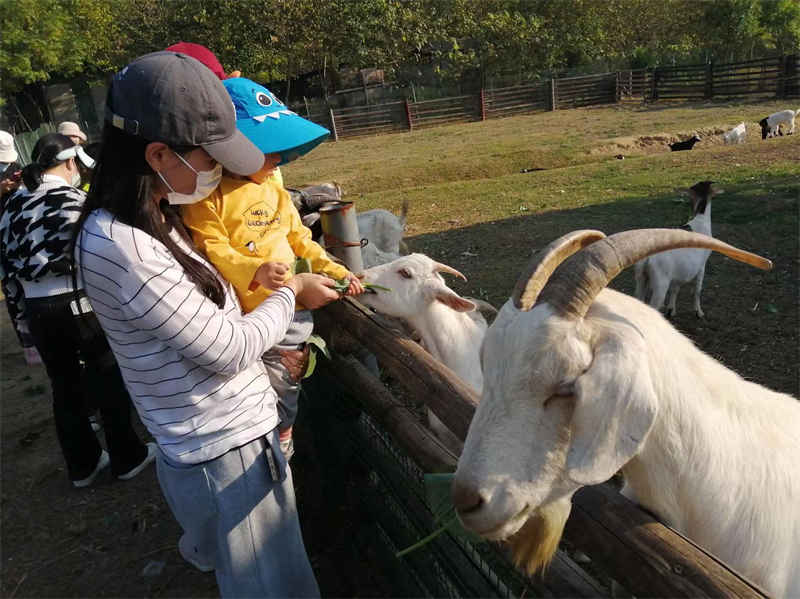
(374, 286)
(319, 342)
(301, 265)
(341, 285)
(312, 363)
(438, 491)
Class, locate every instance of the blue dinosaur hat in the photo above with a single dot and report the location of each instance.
(269, 124)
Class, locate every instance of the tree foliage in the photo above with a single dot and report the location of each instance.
(277, 39)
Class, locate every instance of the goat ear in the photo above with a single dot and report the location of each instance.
(615, 407)
(451, 299)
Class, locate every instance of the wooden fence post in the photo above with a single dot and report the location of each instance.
(654, 88)
(483, 104)
(333, 125)
(783, 73)
(709, 80)
(409, 120)
(617, 94)
(553, 95)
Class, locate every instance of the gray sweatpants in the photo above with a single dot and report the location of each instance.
(239, 513)
(287, 389)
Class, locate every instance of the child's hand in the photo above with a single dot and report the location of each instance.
(271, 274)
(355, 288)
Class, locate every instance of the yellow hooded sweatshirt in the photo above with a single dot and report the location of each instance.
(244, 224)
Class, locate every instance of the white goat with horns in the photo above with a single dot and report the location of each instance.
(449, 325)
(580, 381)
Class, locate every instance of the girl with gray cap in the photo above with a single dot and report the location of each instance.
(189, 357)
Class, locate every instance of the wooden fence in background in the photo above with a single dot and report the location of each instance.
(777, 77)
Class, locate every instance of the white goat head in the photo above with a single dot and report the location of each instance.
(568, 397)
(416, 282)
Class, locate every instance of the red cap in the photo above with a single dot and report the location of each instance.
(202, 54)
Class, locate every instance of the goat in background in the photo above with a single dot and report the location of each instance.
(667, 271)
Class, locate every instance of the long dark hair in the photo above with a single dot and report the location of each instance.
(122, 184)
(44, 158)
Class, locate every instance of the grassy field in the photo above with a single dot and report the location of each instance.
(472, 207)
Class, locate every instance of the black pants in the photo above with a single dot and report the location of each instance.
(83, 374)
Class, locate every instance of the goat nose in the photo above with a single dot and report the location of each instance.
(466, 498)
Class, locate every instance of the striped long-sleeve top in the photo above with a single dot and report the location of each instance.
(193, 370)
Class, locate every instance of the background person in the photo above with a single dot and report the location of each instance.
(188, 354)
(10, 182)
(36, 228)
(73, 131)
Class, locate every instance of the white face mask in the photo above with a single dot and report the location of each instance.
(76, 176)
(207, 182)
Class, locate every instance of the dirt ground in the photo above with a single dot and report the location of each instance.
(119, 539)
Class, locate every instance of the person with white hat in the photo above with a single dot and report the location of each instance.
(9, 176)
(8, 153)
(35, 233)
(190, 358)
(73, 131)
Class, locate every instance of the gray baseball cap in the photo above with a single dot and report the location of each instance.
(175, 99)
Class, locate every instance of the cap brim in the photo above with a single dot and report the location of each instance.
(9, 156)
(237, 154)
(290, 135)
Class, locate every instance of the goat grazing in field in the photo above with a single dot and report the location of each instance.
(686, 144)
(736, 135)
(771, 125)
(450, 327)
(581, 381)
(667, 271)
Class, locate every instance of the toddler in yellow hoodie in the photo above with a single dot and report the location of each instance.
(251, 231)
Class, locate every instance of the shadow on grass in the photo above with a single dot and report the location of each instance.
(751, 319)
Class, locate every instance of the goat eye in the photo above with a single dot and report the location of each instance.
(404, 273)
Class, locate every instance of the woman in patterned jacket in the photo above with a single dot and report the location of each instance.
(35, 233)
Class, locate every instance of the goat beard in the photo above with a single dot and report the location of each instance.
(534, 545)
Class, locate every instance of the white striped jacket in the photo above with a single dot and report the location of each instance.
(193, 370)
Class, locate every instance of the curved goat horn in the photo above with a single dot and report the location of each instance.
(541, 266)
(572, 289)
(439, 267)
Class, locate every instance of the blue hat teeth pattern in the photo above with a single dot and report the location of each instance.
(273, 115)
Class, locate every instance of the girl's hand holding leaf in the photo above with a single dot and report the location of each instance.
(313, 291)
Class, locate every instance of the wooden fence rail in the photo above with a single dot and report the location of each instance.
(777, 77)
(646, 557)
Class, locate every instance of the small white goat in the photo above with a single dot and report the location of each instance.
(770, 126)
(667, 271)
(384, 232)
(737, 135)
(450, 327)
(580, 381)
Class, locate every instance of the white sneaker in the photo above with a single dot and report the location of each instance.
(151, 455)
(191, 555)
(102, 462)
